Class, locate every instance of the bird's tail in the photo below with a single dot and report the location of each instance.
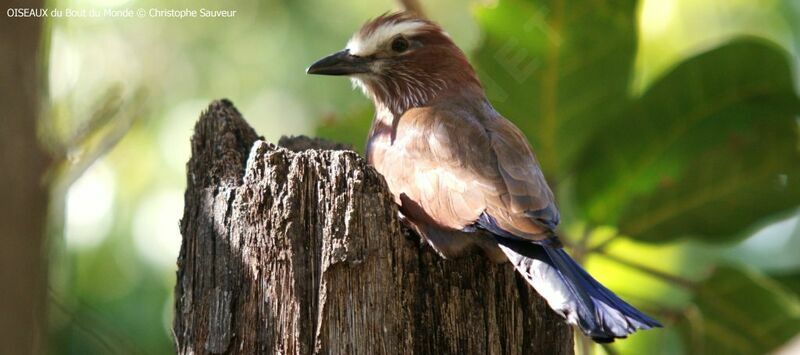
(573, 293)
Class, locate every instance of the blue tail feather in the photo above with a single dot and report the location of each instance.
(571, 291)
(602, 298)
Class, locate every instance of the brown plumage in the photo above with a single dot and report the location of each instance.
(447, 149)
(462, 174)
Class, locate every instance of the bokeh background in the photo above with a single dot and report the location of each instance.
(669, 129)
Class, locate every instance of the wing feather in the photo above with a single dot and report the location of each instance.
(455, 166)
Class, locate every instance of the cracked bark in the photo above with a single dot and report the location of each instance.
(297, 249)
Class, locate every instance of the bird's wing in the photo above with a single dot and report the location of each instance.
(451, 169)
(529, 198)
(426, 167)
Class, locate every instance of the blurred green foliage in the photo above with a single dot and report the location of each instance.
(741, 313)
(669, 129)
(709, 150)
(558, 69)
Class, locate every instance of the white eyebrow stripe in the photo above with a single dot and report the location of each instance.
(366, 46)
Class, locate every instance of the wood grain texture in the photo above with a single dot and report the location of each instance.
(301, 252)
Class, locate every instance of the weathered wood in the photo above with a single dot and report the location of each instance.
(301, 252)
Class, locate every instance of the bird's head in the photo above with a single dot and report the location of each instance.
(401, 61)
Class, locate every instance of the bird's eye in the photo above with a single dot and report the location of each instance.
(399, 45)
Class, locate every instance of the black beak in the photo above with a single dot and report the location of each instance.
(339, 63)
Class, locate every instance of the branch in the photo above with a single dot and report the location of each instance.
(412, 6)
(108, 125)
(669, 278)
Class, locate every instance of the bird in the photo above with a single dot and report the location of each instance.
(465, 178)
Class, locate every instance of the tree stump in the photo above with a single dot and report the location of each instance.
(298, 250)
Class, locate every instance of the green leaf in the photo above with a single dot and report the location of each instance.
(772, 249)
(708, 151)
(557, 69)
(742, 313)
(790, 281)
